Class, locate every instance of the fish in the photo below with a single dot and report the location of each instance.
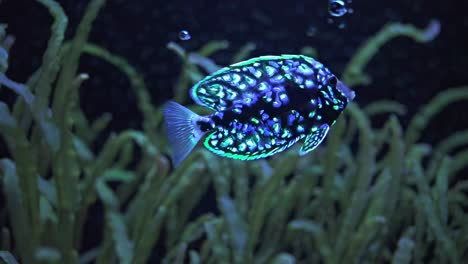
(261, 107)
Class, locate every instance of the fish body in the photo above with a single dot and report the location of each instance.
(261, 107)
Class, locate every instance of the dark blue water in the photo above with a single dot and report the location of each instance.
(406, 71)
(403, 70)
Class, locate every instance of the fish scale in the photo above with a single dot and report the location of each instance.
(262, 106)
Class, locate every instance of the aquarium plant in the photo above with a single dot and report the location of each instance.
(369, 194)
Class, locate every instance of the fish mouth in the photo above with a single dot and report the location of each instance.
(350, 94)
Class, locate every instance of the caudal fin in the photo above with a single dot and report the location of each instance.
(182, 131)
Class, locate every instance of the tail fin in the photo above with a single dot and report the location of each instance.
(182, 131)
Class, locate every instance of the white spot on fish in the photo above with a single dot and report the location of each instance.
(242, 146)
(270, 70)
(277, 79)
(309, 83)
(304, 69)
(257, 73)
(236, 78)
(227, 77)
(262, 86)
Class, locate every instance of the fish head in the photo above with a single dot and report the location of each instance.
(350, 94)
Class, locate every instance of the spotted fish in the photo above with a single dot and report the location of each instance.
(261, 106)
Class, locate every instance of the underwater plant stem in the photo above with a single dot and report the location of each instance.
(148, 212)
(110, 151)
(22, 229)
(456, 140)
(150, 119)
(359, 198)
(422, 118)
(71, 60)
(243, 52)
(395, 165)
(403, 253)
(426, 205)
(241, 189)
(331, 166)
(276, 224)
(41, 84)
(51, 60)
(153, 179)
(66, 184)
(146, 240)
(20, 107)
(27, 177)
(212, 47)
(353, 74)
(460, 161)
(261, 204)
(384, 107)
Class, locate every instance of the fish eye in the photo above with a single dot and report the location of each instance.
(332, 81)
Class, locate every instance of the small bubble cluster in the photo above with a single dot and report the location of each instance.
(184, 35)
(337, 8)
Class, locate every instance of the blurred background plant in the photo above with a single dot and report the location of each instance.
(370, 194)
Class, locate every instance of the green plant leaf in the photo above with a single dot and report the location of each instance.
(7, 258)
(237, 226)
(46, 211)
(48, 254)
(123, 245)
(284, 258)
(118, 175)
(16, 211)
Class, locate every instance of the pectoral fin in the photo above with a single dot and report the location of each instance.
(314, 139)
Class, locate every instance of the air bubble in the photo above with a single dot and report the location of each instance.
(337, 8)
(184, 35)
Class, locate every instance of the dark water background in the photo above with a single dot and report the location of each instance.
(139, 30)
